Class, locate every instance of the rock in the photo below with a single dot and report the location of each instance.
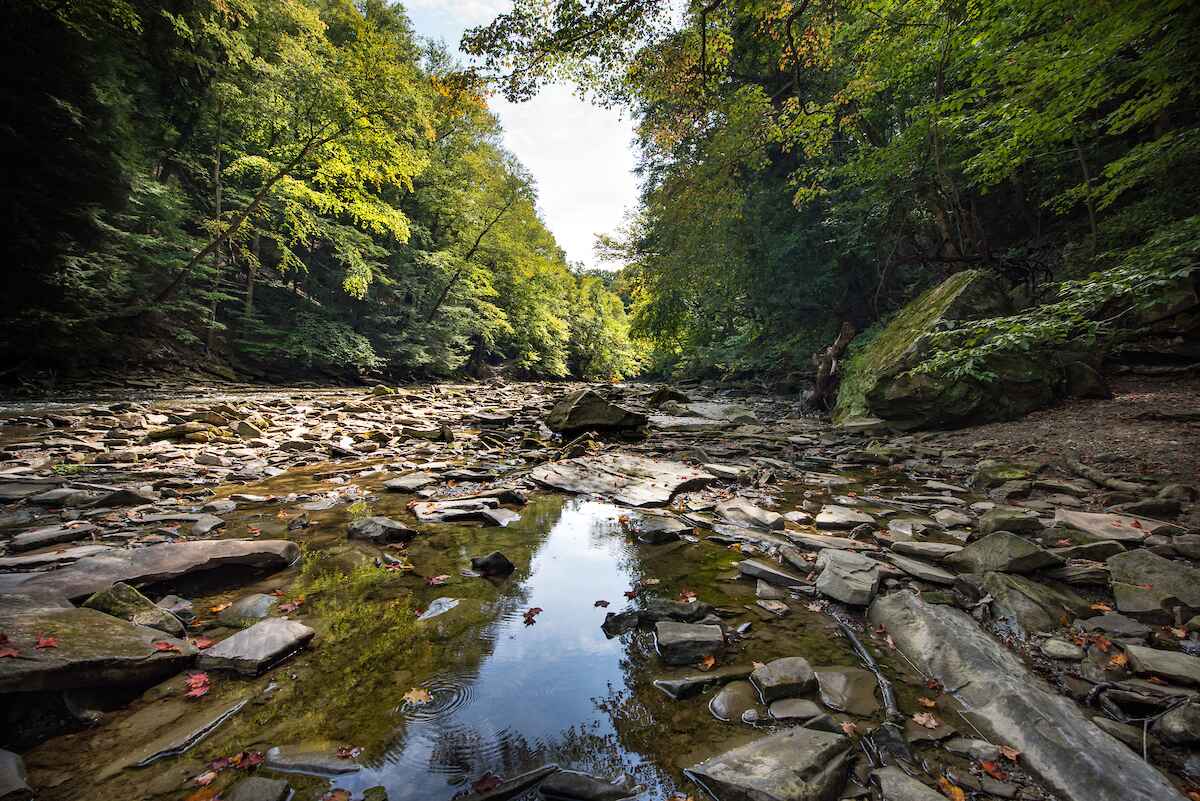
(798, 517)
(847, 577)
(1002, 552)
(740, 512)
(1058, 745)
(977, 750)
(248, 610)
(1014, 521)
(1148, 585)
(896, 785)
(1092, 551)
(247, 430)
(931, 551)
(180, 431)
(833, 516)
(380, 530)
(768, 592)
(1173, 666)
(922, 570)
(1117, 625)
(732, 700)
(586, 410)
(850, 690)
(37, 561)
(1187, 546)
(570, 785)
(784, 678)
(1100, 526)
(656, 609)
(155, 563)
(201, 523)
(14, 786)
(797, 764)
(319, 759)
(1185, 493)
(51, 535)
(1061, 649)
(1179, 726)
(179, 734)
(819, 542)
(769, 573)
(253, 650)
(411, 482)
(1028, 606)
(681, 687)
(1151, 507)
(94, 650)
(657, 528)
(789, 709)
(494, 564)
(438, 606)
(454, 510)
(258, 788)
(686, 643)
(121, 600)
(952, 518)
(626, 479)
(498, 516)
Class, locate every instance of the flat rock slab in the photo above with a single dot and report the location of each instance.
(571, 785)
(896, 785)
(1029, 606)
(51, 535)
(849, 577)
(253, 650)
(156, 563)
(631, 480)
(794, 765)
(14, 784)
(1003, 552)
(258, 788)
(37, 561)
(94, 650)
(757, 568)
(1071, 755)
(740, 512)
(587, 410)
(686, 643)
(1103, 526)
(411, 482)
(317, 759)
(819, 542)
(680, 687)
(850, 690)
(1151, 586)
(733, 700)
(787, 677)
(922, 570)
(1174, 666)
(832, 516)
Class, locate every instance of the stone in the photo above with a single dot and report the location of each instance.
(152, 564)
(1151, 507)
(121, 600)
(991, 473)
(1151, 586)
(14, 784)
(757, 568)
(833, 516)
(798, 764)
(411, 482)
(819, 542)
(380, 530)
(317, 758)
(571, 785)
(657, 528)
(1029, 606)
(626, 479)
(734, 699)
(789, 709)
(847, 577)
(768, 592)
(253, 650)
(258, 788)
(1014, 521)
(1092, 551)
(952, 518)
(438, 606)
(740, 512)
(896, 785)
(1003, 552)
(51, 535)
(248, 610)
(930, 551)
(1067, 752)
(686, 643)
(977, 750)
(494, 564)
(37, 561)
(784, 678)
(922, 570)
(247, 430)
(1180, 725)
(850, 690)
(1174, 666)
(94, 650)
(587, 410)
(656, 609)
(1061, 649)
(498, 516)
(1103, 526)
(680, 687)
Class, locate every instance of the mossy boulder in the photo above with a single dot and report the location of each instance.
(878, 381)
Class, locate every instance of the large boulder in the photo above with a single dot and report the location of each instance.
(587, 410)
(1003, 552)
(794, 765)
(878, 382)
(1153, 587)
(121, 600)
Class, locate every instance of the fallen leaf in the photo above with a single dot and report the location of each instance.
(292, 605)
(1116, 661)
(601, 604)
(336, 794)
(254, 530)
(650, 582)
(928, 703)
(849, 728)
(206, 778)
(8, 651)
(198, 686)
(757, 665)
(218, 608)
(46, 641)
(347, 752)
(1180, 632)
(926, 719)
(532, 613)
(1144, 586)
(203, 642)
(687, 596)
(1156, 680)
(163, 645)
(707, 663)
(437, 581)
(1063, 543)
(933, 684)
(814, 607)
(251, 759)
(418, 696)
(1136, 523)
(992, 769)
(1009, 753)
(951, 790)
(486, 783)
(631, 594)
(1099, 607)
(1194, 795)
(1102, 642)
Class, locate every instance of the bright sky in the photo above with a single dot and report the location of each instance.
(581, 156)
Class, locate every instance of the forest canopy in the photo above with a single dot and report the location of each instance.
(289, 186)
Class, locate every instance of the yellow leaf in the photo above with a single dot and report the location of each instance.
(951, 790)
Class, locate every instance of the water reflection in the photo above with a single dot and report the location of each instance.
(532, 699)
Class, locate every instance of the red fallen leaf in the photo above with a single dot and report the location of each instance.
(251, 759)
(46, 641)
(687, 596)
(347, 752)
(163, 645)
(631, 594)
(219, 764)
(1064, 542)
(486, 783)
(1102, 642)
(277, 593)
(254, 531)
(198, 686)
(203, 642)
(292, 605)
(206, 778)
(849, 728)
(1136, 524)
(993, 770)
(8, 652)
(197, 692)
(531, 614)
(1144, 586)
(437, 581)
(707, 663)
(601, 604)
(336, 794)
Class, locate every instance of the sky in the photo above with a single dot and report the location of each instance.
(581, 156)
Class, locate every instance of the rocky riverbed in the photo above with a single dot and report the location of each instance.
(510, 590)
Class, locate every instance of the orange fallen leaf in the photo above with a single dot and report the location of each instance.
(951, 790)
(707, 663)
(1180, 632)
(926, 719)
(850, 728)
(203, 642)
(163, 645)
(418, 696)
(218, 608)
(757, 665)
(1102, 642)
(206, 778)
(46, 641)
(1099, 607)
(1116, 661)
(531, 614)
(992, 769)
(1009, 753)
(928, 703)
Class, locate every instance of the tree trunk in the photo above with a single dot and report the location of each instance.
(827, 362)
(216, 282)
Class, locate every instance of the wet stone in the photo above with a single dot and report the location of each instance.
(14, 784)
(570, 785)
(494, 564)
(979, 750)
(1117, 625)
(686, 643)
(411, 482)
(850, 690)
(258, 788)
(1061, 649)
(681, 687)
(930, 551)
(380, 530)
(769, 573)
(1179, 726)
(788, 677)
(896, 785)
(847, 577)
(319, 759)
(832, 516)
(248, 610)
(121, 600)
(626, 479)
(253, 650)
(498, 517)
(733, 700)
(51, 535)
(795, 709)
(1002, 552)
(438, 606)
(922, 570)
(1175, 667)
(798, 764)
(740, 512)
